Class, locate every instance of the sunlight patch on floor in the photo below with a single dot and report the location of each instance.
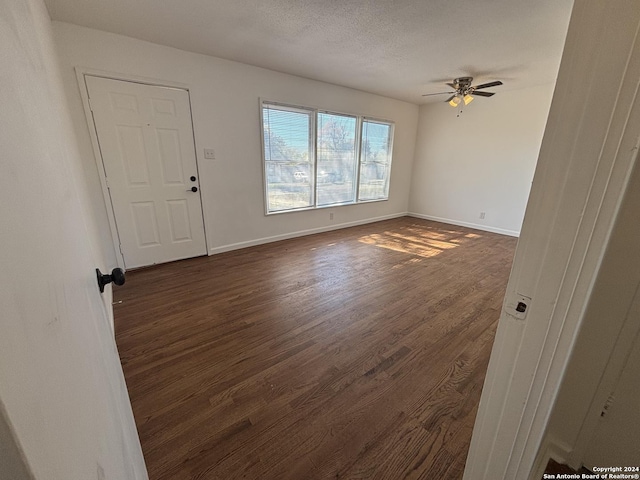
(423, 245)
(406, 262)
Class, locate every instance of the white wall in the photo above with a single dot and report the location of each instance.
(61, 383)
(482, 161)
(225, 103)
(606, 334)
(589, 145)
(13, 465)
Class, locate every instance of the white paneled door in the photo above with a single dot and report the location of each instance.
(146, 142)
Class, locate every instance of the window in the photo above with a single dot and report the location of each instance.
(337, 159)
(316, 159)
(375, 161)
(288, 158)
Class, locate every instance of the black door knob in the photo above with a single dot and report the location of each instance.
(194, 189)
(116, 276)
(193, 179)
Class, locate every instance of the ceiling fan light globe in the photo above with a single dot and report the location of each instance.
(468, 99)
(455, 101)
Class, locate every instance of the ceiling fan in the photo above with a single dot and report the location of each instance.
(463, 91)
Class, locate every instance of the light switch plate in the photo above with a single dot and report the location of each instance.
(209, 154)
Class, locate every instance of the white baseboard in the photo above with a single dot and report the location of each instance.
(486, 228)
(557, 450)
(550, 448)
(300, 233)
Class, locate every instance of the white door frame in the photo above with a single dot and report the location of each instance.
(81, 73)
(589, 148)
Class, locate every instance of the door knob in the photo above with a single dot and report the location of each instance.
(193, 179)
(116, 276)
(193, 189)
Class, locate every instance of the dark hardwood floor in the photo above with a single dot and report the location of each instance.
(356, 354)
(555, 468)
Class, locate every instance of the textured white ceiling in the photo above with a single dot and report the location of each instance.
(397, 48)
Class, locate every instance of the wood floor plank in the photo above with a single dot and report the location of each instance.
(357, 353)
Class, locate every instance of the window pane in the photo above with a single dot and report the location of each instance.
(375, 161)
(336, 171)
(288, 157)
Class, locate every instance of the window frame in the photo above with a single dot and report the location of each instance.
(389, 152)
(356, 142)
(360, 120)
(312, 151)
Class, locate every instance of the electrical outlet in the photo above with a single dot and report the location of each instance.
(209, 154)
(482, 215)
(330, 215)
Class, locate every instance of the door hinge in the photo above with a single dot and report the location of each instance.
(90, 105)
(607, 405)
(106, 180)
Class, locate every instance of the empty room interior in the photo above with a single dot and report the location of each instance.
(313, 240)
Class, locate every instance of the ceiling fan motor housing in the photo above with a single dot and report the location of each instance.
(462, 84)
(462, 89)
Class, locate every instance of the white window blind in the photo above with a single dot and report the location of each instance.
(288, 156)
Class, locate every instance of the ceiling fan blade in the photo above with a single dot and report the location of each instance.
(450, 98)
(484, 94)
(439, 93)
(451, 85)
(490, 84)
